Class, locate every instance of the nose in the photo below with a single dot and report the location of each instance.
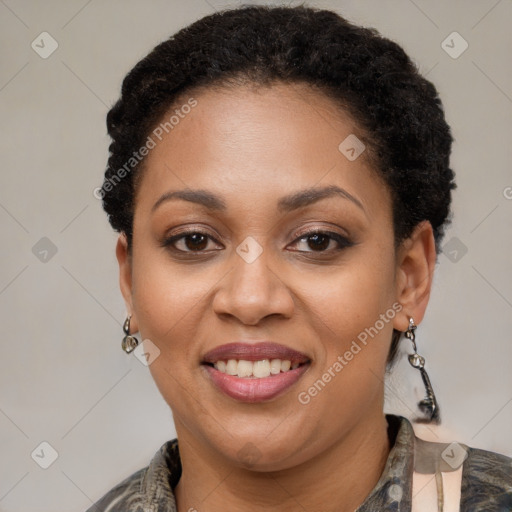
(252, 290)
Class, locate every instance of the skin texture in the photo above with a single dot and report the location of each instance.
(251, 147)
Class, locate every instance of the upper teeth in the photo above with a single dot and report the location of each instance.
(258, 369)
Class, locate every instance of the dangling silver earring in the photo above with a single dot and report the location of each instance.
(428, 405)
(129, 342)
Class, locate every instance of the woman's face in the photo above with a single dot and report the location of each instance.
(251, 274)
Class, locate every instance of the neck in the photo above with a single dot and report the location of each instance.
(338, 479)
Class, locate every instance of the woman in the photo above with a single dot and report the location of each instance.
(280, 181)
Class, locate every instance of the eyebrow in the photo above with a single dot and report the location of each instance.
(285, 204)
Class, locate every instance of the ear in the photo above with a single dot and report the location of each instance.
(416, 260)
(124, 259)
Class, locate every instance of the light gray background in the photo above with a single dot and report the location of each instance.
(63, 376)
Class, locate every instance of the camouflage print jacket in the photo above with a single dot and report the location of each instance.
(486, 478)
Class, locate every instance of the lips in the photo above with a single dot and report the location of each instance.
(229, 369)
(254, 352)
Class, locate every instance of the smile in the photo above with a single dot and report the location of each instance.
(254, 372)
(255, 369)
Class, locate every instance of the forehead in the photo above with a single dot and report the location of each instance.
(252, 143)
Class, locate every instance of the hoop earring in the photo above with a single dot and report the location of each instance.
(129, 342)
(428, 405)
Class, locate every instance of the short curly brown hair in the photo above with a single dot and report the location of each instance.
(370, 76)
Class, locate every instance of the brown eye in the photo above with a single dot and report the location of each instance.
(196, 241)
(189, 241)
(319, 241)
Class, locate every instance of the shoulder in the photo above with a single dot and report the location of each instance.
(486, 476)
(125, 496)
(149, 487)
(486, 481)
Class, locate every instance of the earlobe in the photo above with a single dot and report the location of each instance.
(125, 277)
(416, 263)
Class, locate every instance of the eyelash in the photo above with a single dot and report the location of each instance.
(342, 241)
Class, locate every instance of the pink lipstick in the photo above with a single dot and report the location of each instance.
(254, 372)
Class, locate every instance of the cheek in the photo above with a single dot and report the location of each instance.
(167, 301)
(352, 297)
(167, 305)
(352, 312)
